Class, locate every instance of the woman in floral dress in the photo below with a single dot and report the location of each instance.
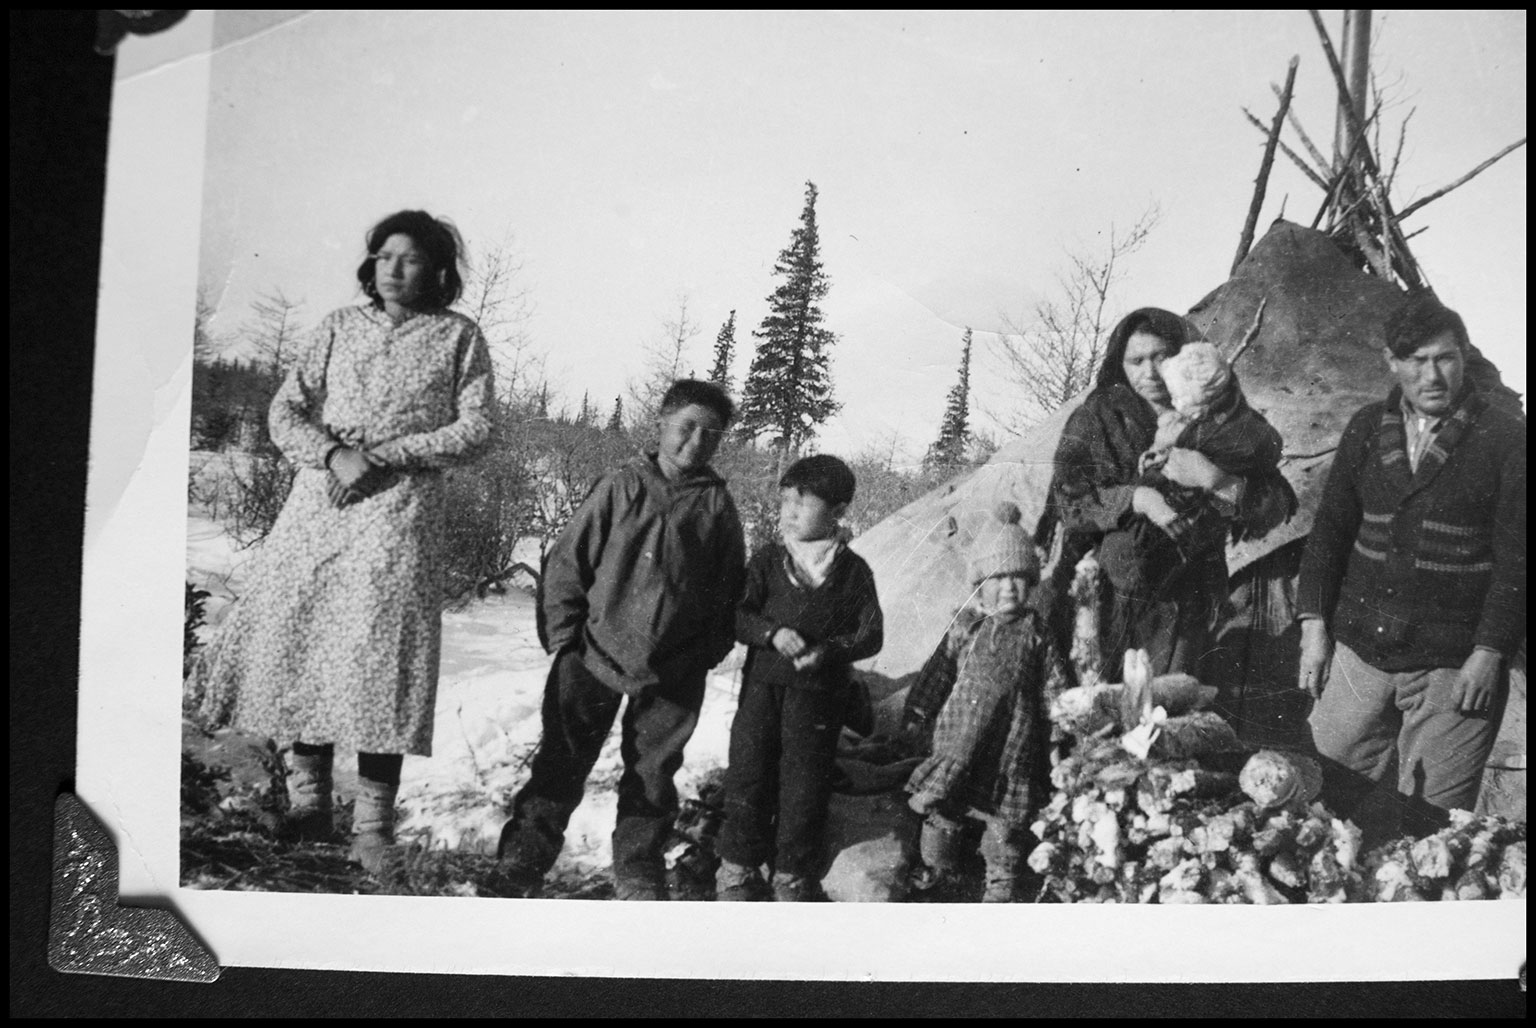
(336, 640)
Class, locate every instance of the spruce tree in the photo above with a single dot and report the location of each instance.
(616, 422)
(275, 335)
(725, 353)
(954, 432)
(788, 391)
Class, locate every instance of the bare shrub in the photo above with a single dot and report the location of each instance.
(259, 486)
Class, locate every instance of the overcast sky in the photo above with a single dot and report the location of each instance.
(634, 157)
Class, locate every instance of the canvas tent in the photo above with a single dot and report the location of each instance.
(1315, 360)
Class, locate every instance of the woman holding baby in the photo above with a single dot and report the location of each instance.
(1153, 488)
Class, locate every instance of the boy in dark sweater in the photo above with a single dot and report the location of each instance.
(809, 611)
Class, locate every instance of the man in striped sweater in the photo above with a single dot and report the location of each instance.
(1412, 589)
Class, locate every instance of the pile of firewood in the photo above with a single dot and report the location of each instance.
(1192, 817)
(1474, 858)
(1121, 829)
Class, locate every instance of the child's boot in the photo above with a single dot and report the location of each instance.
(939, 847)
(373, 824)
(1004, 857)
(530, 844)
(639, 869)
(309, 795)
(740, 883)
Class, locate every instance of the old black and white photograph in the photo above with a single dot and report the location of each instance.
(995, 476)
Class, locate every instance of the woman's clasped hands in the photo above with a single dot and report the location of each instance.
(354, 475)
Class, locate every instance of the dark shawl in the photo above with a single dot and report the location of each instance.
(1105, 437)
(1096, 467)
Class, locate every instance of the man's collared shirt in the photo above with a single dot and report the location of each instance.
(1419, 430)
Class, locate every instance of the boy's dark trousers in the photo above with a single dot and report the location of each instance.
(577, 716)
(782, 759)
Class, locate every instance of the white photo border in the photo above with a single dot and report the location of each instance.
(129, 724)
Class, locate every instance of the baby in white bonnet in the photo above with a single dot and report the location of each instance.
(1198, 380)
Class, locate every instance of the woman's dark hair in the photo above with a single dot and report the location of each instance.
(688, 391)
(1166, 325)
(823, 476)
(1419, 320)
(438, 240)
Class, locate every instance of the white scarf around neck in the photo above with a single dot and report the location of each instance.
(810, 561)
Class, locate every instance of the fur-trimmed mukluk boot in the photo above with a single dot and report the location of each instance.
(308, 818)
(373, 824)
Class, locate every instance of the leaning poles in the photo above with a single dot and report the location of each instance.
(1396, 256)
(1261, 184)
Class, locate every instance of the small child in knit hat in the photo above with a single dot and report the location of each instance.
(990, 735)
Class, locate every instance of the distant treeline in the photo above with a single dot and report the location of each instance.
(229, 404)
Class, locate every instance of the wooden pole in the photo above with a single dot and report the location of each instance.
(1407, 268)
(1334, 191)
(1251, 334)
(1397, 155)
(1323, 164)
(1356, 57)
(1306, 169)
(1262, 182)
(1469, 176)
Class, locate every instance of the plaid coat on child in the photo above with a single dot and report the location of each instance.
(990, 738)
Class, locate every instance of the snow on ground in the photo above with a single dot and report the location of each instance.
(487, 727)
(487, 720)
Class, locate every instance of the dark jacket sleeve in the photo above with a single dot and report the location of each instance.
(753, 627)
(869, 634)
(731, 559)
(1336, 522)
(571, 567)
(1502, 623)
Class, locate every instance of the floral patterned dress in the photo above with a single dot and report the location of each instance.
(336, 639)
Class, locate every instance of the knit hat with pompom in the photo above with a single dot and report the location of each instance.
(1002, 547)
